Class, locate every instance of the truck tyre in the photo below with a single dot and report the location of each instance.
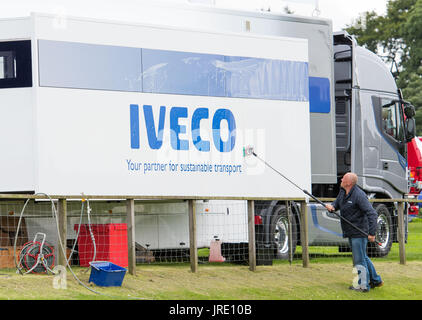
(384, 232)
(280, 232)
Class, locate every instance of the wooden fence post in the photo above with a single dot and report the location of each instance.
(290, 231)
(130, 218)
(251, 233)
(192, 237)
(401, 233)
(304, 233)
(62, 213)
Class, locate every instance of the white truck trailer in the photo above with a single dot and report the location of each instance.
(158, 108)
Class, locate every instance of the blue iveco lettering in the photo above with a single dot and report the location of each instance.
(155, 138)
(198, 115)
(155, 135)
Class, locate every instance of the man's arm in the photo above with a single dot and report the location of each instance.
(366, 207)
(334, 205)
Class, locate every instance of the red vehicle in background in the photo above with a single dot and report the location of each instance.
(414, 163)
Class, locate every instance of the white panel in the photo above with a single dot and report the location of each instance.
(147, 231)
(84, 146)
(18, 28)
(17, 140)
(158, 37)
(173, 231)
(84, 135)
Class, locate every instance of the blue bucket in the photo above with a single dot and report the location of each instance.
(106, 274)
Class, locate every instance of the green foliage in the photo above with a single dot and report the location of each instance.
(412, 34)
(397, 36)
(368, 30)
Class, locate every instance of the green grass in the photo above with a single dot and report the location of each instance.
(325, 281)
(413, 249)
(327, 278)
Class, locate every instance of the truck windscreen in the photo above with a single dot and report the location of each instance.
(15, 64)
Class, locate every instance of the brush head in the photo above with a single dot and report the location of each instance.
(248, 151)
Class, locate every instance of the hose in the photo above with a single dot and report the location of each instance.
(89, 227)
(88, 210)
(64, 251)
(54, 211)
(77, 233)
(16, 238)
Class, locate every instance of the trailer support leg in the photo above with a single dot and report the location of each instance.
(290, 232)
(62, 213)
(192, 237)
(251, 233)
(304, 233)
(130, 218)
(401, 233)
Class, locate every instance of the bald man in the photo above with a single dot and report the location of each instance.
(355, 207)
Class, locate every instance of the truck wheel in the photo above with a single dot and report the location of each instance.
(280, 232)
(384, 233)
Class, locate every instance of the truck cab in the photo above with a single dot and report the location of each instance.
(371, 130)
(373, 126)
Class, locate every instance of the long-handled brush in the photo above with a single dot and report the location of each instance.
(248, 151)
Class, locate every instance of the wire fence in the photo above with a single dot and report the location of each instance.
(130, 232)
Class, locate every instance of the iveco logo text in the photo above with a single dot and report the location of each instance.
(155, 136)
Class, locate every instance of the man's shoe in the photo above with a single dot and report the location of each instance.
(358, 289)
(376, 285)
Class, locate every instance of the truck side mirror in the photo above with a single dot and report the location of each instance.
(410, 126)
(409, 110)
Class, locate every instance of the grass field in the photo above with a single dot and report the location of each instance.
(413, 249)
(327, 278)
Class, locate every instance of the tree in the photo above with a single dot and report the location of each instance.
(368, 30)
(414, 87)
(397, 36)
(384, 35)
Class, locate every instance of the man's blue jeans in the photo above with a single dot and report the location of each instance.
(360, 257)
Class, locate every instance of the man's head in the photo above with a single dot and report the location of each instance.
(349, 180)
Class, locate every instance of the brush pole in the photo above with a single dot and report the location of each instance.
(344, 219)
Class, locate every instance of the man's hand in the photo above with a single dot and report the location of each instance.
(371, 238)
(330, 208)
